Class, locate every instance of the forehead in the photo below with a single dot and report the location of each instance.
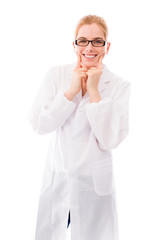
(90, 31)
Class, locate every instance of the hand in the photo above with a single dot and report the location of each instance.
(79, 73)
(94, 74)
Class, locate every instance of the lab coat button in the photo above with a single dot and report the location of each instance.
(71, 175)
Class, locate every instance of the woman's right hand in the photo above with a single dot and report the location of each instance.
(79, 72)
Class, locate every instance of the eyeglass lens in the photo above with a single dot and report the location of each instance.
(96, 43)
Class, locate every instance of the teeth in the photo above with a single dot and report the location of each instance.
(90, 56)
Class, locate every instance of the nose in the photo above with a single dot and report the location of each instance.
(89, 47)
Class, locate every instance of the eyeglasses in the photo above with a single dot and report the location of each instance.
(95, 42)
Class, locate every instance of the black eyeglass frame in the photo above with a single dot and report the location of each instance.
(104, 42)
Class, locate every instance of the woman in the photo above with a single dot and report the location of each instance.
(85, 107)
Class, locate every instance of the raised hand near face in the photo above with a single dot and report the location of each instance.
(79, 73)
(94, 74)
(86, 79)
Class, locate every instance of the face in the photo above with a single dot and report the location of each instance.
(90, 54)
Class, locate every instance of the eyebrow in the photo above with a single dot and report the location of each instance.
(92, 39)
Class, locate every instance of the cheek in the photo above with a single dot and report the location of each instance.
(77, 49)
(102, 51)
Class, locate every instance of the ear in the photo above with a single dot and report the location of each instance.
(108, 47)
(73, 45)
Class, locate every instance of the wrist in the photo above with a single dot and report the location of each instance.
(94, 95)
(70, 94)
(92, 91)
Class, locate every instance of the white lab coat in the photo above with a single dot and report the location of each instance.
(79, 174)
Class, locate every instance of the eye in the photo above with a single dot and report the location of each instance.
(81, 41)
(98, 42)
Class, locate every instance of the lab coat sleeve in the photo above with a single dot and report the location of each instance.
(109, 118)
(51, 108)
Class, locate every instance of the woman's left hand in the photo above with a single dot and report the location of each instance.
(94, 74)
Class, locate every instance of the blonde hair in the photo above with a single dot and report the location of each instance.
(89, 19)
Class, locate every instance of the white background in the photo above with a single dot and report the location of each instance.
(36, 35)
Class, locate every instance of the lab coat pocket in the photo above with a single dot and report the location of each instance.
(102, 177)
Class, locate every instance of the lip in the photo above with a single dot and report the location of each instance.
(89, 56)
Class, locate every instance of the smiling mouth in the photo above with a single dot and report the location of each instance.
(90, 56)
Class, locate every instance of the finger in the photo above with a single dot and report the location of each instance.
(78, 65)
(83, 75)
(92, 68)
(84, 78)
(83, 69)
(100, 61)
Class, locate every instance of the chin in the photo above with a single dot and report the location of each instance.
(89, 64)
